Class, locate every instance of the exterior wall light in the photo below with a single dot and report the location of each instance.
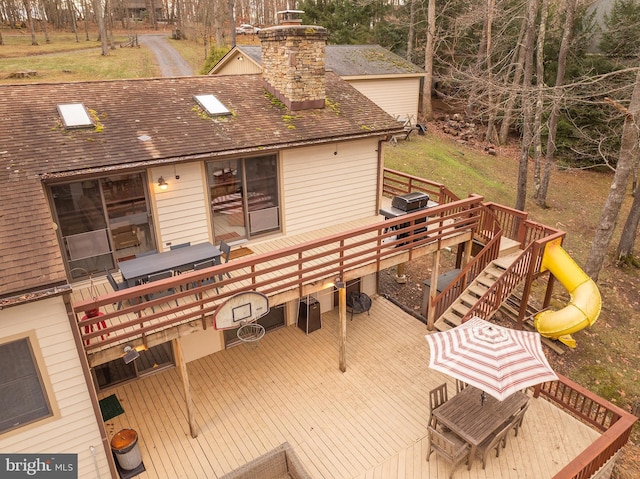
(162, 184)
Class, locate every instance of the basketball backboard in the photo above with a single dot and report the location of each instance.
(243, 308)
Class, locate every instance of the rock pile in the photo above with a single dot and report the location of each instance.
(456, 125)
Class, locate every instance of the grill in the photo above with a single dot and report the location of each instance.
(410, 202)
(404, 205)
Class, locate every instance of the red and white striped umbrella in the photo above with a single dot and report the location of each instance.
(497, 360)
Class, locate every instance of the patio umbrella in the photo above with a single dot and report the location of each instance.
(497, 360)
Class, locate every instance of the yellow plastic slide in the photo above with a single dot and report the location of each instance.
(584, 307)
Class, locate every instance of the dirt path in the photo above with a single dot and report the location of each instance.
(169, 60)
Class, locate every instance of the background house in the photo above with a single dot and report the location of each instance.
(390, 81)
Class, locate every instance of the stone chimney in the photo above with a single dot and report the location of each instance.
(293, 63)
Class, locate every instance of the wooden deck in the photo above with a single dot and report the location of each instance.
(369, 422)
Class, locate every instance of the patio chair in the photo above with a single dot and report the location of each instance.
(460, 385)
(495, 442)
(159, 294)
(117, 286)
(437, 397)
(518, 417)
(448, 446)
(226, 251)
(210, 263)
(181, 245)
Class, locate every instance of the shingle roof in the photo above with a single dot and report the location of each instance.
(354, 60)
(141, 122)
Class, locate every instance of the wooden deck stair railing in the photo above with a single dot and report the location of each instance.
(443, 302)
(490, 288)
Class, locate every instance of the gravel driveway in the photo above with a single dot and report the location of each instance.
(169, 60)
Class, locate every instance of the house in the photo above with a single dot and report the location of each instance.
(244, 158)
(390, 81)
(288, 163)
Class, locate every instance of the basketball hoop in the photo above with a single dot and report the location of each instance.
(250, 334)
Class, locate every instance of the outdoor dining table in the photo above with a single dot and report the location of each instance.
(474, 419)
(180, 259)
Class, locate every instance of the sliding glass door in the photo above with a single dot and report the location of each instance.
(101, 221)
(244, 197)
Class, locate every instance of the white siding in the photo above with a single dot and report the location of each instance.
(239, 65)
(397, 96)
(76, 430)
(323, 189)
(181, 209)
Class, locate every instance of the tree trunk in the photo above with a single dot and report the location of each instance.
(527, 120)
(72, 12)
(630, 230)
(98, 11)
(513, 95)
(85, 10)
(412, 29)
(427, 107)
(489, 69)
(567, 35)
(611, 210)
(43, 22)
(537, 121)
(232, 21)
(32, 28)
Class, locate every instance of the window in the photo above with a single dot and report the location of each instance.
(23, 393)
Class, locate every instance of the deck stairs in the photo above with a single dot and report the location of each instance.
(452, 317)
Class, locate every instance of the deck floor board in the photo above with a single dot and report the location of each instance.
(368, 422)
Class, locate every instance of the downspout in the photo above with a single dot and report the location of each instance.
(86, 370)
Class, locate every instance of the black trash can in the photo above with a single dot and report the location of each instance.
(126, 450)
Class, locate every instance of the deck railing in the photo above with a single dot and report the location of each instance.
(614, 422)
(289, 269)
(398, 183)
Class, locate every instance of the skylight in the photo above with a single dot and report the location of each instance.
(74, 115)
(211, 105)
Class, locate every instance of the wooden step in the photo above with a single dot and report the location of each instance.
(460, 308)
(508, 246)
(468, 298)
(485, 280)
(478, 289)
(505, 261)
(447, 321)
(493, 270)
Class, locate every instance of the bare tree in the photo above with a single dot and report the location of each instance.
(412, 29)
(539, 110)
(98, 12)
(427, 107)
(527, 120)
(507, 118)
(32, 28)
(540, 194)
(617, 190)
(624, 252)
